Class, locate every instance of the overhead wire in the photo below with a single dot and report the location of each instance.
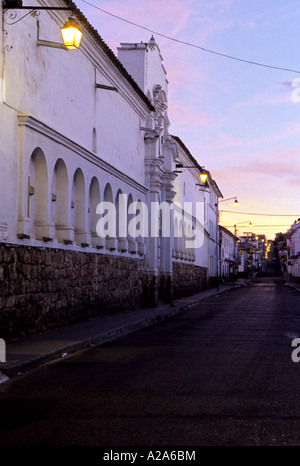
(265, 215)
(231, 57)
(269, 226)
(259, 226)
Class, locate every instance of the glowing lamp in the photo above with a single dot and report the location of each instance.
(236, 204)
(71, 34)
(203, 177)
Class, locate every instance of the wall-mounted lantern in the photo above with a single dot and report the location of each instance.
(71, 31)
(203, 174)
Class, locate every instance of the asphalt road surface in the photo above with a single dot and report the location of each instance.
(221, 374)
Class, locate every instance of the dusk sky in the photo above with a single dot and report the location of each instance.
(240, 121)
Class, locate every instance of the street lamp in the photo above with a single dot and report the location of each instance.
(71, 31)
(203, 177)
(203, 173)
(240, 223)
(235, 204)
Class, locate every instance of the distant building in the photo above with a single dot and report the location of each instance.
(258, 246)
(289, 252)
(228, 255)
(245, 258)
(187, 187)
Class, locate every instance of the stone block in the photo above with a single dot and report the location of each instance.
(45, 287)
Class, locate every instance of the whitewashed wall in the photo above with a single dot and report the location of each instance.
(187, 191)
(51, 107)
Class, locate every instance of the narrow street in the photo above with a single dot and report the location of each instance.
(221, 374)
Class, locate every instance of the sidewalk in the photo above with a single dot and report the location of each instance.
(29, 353)
(294, 285)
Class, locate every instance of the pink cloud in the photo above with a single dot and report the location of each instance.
(187, 115)
(159, 16)
(262, 100)
(280, 164)
(223, 141)
(236, 147)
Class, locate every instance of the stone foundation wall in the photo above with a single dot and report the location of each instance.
(188, 279)
(43, 288)
(165, 288)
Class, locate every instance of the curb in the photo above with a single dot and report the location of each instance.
(67, 350)
(287, 282)
(190, 306)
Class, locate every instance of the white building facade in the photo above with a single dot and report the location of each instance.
(79, 129)
(195, 268)
(229, 255)
(291, 256)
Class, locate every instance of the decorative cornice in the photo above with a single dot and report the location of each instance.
(161, 105)
(154, 171)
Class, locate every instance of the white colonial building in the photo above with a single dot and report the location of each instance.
(291, 255)
(79, 129)
(201, 268)
(229, 255)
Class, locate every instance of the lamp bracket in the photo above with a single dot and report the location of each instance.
(180, 165)
(48, 43)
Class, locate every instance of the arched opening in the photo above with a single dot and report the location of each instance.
(38, 196)
(132, 245)
(59, 201)
(78, 208)
(121, 220)
(111, 242)
(142, 226)
(94, 199)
